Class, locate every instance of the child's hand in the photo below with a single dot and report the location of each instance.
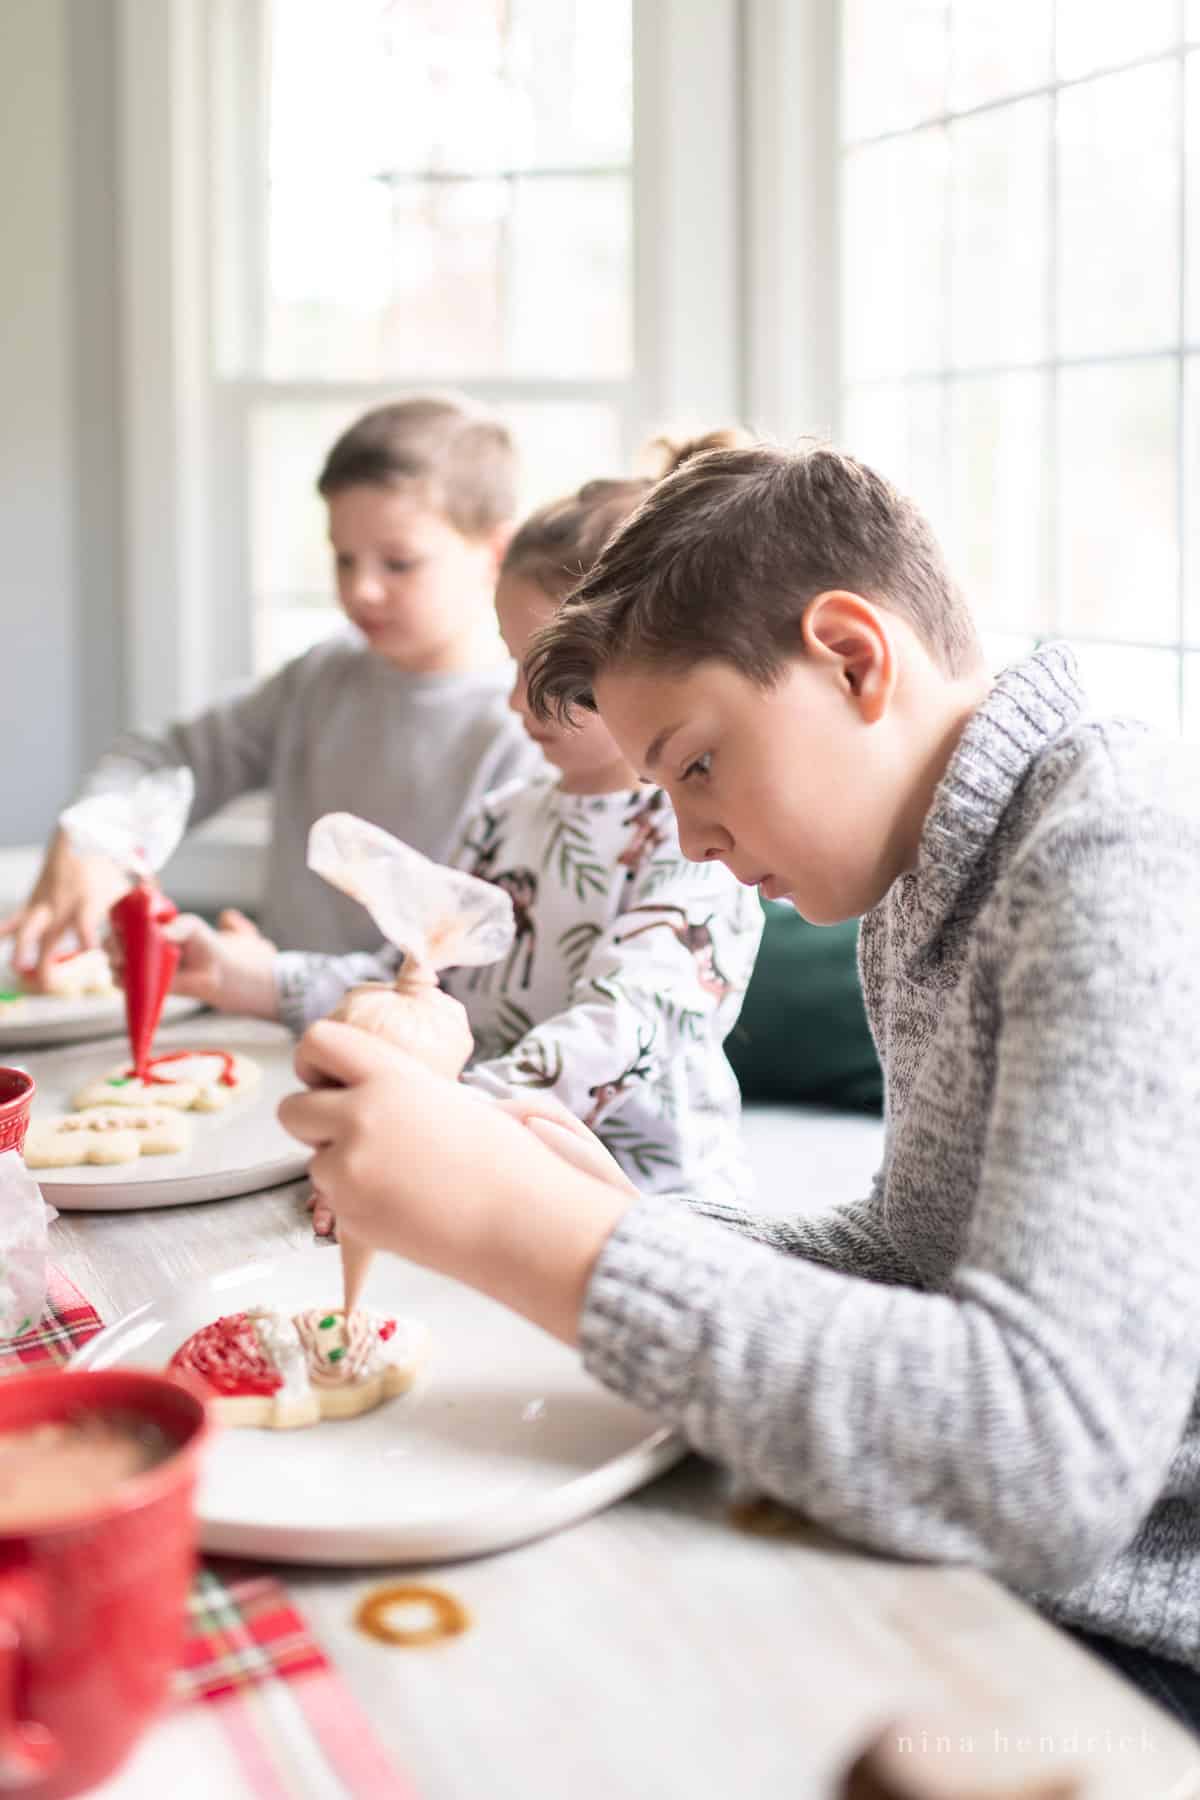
(323, 1220)
(72, 894)
(235, 974)
(234, 921)
(558, 1128)
(418, 1164)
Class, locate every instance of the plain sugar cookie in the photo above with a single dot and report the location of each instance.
(106, 1134)
(79, 974)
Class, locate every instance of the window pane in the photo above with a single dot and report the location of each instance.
(999, 235)
(568, 299)
(1191, 698)
(438, 174)
(1137, 684)
(901, 431)
(1095, 34)
(1191, 496)
(291, 578)
(998, 49)
(1192, 189)
(893, 64)
(384, 280)
(1118, 560)
(1001, 651)
(464, 86)
(894, 256)
(997, 541)
(1118, 191)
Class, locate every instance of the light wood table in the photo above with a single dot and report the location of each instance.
(656, 1650)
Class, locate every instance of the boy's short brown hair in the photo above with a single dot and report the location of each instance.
(460, 460)
(721, 559)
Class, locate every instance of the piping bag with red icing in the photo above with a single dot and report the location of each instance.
(438, 918)
(139, 828)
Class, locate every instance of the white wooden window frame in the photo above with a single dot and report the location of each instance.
(188, 589)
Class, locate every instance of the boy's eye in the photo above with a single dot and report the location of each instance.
(343, 561)
(396, 565)
(699, 767)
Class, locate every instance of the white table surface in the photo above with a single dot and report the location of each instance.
(656, 1650)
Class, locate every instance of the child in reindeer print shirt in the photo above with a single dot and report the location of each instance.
(630, 963)
(627, 974)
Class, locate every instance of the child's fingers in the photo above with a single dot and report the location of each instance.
(322, 1217)
(527, 1107)
(314, 1117)
(187, 928)
(28, 936)
(335, 1055)
(236, 923)
(55, 931)
(591, 1157)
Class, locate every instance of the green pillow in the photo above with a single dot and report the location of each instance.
(803, 1032)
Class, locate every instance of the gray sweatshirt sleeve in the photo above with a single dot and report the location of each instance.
(308, 984)
(228, 748)
(1023, 1416)
(851, 1237)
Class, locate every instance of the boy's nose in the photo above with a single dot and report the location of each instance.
(703, 842)
(367, 589)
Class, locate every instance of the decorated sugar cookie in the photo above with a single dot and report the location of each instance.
(200, 1080)
(263, 1368)
(106, 1134)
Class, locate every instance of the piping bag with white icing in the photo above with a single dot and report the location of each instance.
(438, 918)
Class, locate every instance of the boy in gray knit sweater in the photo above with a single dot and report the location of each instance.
(404, 721)
(994, 1357)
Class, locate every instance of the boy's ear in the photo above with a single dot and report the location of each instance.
(852, 639)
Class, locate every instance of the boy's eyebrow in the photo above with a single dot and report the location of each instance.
(660, 743)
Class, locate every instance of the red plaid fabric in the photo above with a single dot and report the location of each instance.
(67, 1323)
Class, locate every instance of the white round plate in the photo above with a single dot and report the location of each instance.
(52, 1019)
(235, 1151)
(504, 1438)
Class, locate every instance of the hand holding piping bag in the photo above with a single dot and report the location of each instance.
(437, 918)
(139, 828)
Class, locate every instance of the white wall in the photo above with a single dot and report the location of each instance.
(60, 650)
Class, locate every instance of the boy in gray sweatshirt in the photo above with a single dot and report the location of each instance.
(994, 1357)
(404, 720)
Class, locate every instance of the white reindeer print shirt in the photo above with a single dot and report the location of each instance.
(626, 977)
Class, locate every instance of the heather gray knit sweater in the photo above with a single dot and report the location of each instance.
(994, 1358)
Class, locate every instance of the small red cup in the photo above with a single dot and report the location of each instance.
(93, 1608)
(16, 1096)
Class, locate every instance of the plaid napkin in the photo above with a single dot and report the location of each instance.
(281, 1721)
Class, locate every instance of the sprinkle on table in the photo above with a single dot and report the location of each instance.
(337, 1355)
(328, 1322)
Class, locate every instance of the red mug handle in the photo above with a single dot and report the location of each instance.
(28, 1753)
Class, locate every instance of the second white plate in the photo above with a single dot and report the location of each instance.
(236, 1151)
(504, 1438)
(53, 1019)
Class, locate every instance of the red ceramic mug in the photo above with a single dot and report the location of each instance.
(16, 1097)
(92, 1608)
